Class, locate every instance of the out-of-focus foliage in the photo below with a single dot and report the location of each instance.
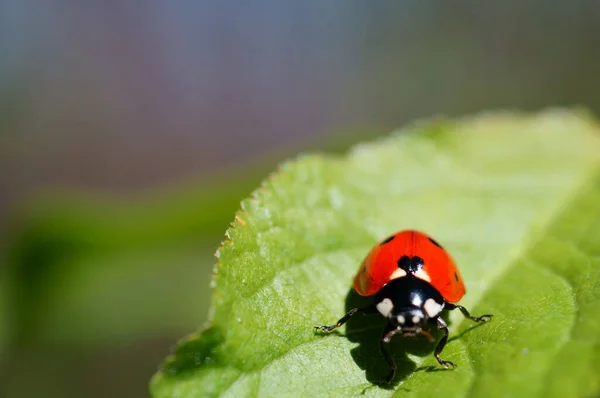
(75, 256)
(519, 219)
(86, 272)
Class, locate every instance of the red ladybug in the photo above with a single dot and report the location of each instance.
(411, 278)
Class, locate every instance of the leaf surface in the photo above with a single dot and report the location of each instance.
(514, 197)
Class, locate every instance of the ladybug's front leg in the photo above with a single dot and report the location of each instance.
(366, 310)
(483, 318)
(441, 324)
(388, 332)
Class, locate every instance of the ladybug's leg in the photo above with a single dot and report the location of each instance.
(483, 318)
(441, 324)
(388, 332)
(366, 310)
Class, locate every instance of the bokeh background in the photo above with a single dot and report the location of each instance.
(130, 132)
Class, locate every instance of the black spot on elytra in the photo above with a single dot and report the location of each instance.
(435, 243)
(404, 263)
(388, 240)
(411, 265)
(416, 263)
(456, 276)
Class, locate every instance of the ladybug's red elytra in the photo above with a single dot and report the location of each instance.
(411, 278)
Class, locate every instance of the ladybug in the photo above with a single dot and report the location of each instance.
(411, 278)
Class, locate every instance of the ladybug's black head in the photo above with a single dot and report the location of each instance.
(409, 303)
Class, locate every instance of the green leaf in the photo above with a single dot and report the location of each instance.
(514, 197)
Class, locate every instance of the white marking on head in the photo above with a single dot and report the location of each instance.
(432, 307)
(401, 319)
(399, 273)
(416, 319)
(422, 275)
(385, 307)
(417, 301)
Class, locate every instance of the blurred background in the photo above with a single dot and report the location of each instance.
(129, 134)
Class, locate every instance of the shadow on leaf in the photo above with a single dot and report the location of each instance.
(464, 332)
(367, 332)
